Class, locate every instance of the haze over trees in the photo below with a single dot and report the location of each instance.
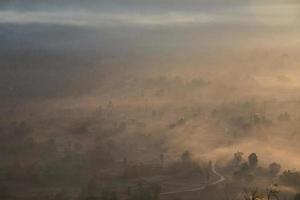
(149, 100)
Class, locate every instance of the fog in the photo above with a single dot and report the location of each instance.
(147, 82)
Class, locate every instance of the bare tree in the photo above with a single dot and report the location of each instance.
(272, 192)
(252, 194)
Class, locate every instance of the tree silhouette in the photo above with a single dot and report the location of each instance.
(253, 160)
(274, 169)
(186, 156)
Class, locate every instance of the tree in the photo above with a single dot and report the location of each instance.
(284, 116)
(162, 159)
(237, 158)
(291, 178)
(253, 160)
(252, 194)
(272, 192)
(186, 156)
(274, 169)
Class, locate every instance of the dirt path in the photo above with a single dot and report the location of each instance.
(220, 180)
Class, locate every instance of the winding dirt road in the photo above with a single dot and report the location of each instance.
(220, 180)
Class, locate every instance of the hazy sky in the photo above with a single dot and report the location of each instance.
(157, 12)
(57, 43)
